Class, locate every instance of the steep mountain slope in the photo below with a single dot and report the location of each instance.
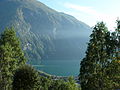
(45, 33)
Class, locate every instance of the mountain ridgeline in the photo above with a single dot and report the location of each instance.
(45, 33)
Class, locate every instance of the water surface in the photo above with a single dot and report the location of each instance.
(60, 67)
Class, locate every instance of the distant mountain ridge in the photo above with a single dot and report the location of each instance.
(45, 33)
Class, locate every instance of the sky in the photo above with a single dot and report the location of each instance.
(89, 11)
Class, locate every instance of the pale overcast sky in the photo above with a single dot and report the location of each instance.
(88, 11)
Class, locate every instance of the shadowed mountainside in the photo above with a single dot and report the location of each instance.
(45, 33)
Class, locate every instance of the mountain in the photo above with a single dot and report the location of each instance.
(45, 33)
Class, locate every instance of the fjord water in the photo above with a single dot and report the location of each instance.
(60, 67)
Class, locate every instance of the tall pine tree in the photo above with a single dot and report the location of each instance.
(11, 57)
(93, 66)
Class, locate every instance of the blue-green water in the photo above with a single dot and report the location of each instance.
(60, 67)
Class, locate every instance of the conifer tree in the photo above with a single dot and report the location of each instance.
(11, 57)
(9, 36)
(92, 72)
(113, 69)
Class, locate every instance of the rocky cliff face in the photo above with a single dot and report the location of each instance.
(45, 33)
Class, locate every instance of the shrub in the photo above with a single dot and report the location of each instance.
(26, 78)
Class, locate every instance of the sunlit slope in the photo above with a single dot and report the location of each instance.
(45, 33)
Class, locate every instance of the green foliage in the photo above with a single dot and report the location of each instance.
(11, 57)
(26, 78)
(45, 82)
(64, 85)
(100, 69)
(9, 36)
(6, 61)
(113, 69)
(93, 67)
